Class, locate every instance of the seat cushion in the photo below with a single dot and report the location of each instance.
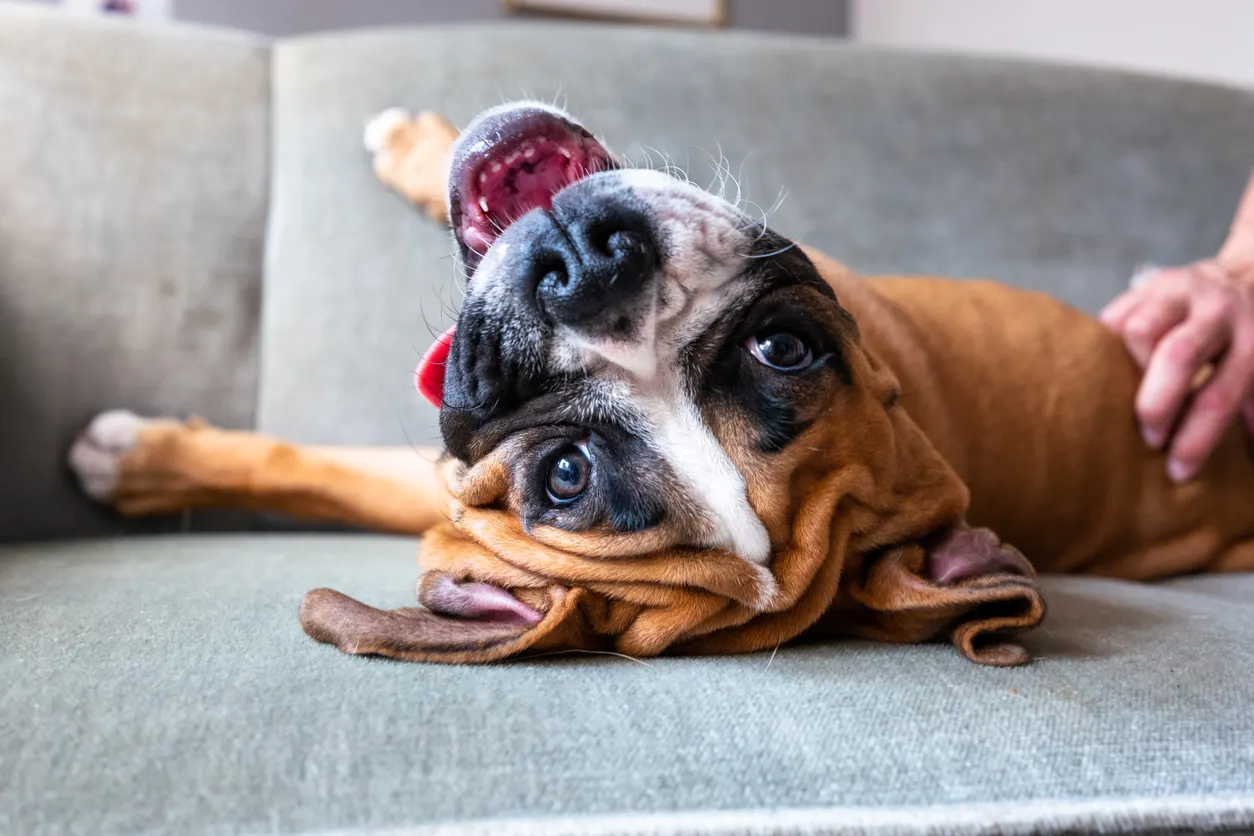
(164, 683)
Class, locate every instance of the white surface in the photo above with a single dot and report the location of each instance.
(1211, 40)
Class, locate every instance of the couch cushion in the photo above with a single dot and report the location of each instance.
(133, 199)
(164, 684)
(1055, 177)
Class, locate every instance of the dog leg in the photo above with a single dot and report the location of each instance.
(411, 156)
(144, 466)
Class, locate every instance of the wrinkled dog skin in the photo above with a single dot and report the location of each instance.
(656, 405)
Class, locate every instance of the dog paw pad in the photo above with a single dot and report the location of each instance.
(380, 127)
(95, 454)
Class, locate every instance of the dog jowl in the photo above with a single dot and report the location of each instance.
(665, 435)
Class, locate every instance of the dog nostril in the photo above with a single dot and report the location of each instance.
(605, 257)
(555, 279)
(598, 237)
(613, 241)
(622, 244)
(549, 269)
(551, 289)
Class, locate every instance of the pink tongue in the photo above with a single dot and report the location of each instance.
(429, 376)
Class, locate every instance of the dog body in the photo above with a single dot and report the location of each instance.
(669, 428)
(1030, 400)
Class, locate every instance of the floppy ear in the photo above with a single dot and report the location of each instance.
(458, 622)
(488, 631)
(962, 582)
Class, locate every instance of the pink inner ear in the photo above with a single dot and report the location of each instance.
(478, 601)
(429, 376)
(965, 553)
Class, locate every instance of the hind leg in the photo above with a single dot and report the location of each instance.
(145, 466)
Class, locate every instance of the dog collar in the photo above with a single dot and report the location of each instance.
(429, 376)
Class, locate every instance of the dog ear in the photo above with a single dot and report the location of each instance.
(470, 622)
(459, 621)
(962, 582)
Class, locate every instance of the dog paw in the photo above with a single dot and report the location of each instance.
(380, 127)
(95, 454)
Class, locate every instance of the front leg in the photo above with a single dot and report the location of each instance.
(145, 466)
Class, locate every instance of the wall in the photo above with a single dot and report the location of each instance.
(1206, 39)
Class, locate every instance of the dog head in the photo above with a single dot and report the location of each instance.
(664, 434)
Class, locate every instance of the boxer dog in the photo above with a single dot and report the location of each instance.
(669, 429)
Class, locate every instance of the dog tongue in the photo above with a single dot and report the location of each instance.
(429, 376)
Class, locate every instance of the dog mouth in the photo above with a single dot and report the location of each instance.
(511, 163)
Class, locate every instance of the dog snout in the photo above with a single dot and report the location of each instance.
(609, 255)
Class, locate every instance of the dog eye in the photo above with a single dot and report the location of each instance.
(783, 351)
(569, 473)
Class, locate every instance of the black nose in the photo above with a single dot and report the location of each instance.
(606, 257)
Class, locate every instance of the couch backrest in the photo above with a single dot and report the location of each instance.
(142, 170)
(1042, 176)
(133, 200)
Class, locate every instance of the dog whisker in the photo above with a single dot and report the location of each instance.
(723, 172)
(740, 174)
(670, 168)
(629, 156)
(760, 225)
(717, 175)
(400, 423)
(432, 331)
(726, 166)
(589, 653)
(779, 201)
(780, 251)
(560, 95)
(763, 225)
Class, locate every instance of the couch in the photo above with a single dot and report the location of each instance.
(189, 225)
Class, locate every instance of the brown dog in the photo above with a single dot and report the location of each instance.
(669, 429)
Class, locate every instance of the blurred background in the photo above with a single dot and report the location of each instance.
(1206, 39)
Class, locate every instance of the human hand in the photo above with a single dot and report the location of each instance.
(1191, 329)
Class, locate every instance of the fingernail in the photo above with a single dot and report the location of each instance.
(1152, 437)
(1178, 470)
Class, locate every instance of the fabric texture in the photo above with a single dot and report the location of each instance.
(165, 684)
(1060, 178)
(133, 166)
